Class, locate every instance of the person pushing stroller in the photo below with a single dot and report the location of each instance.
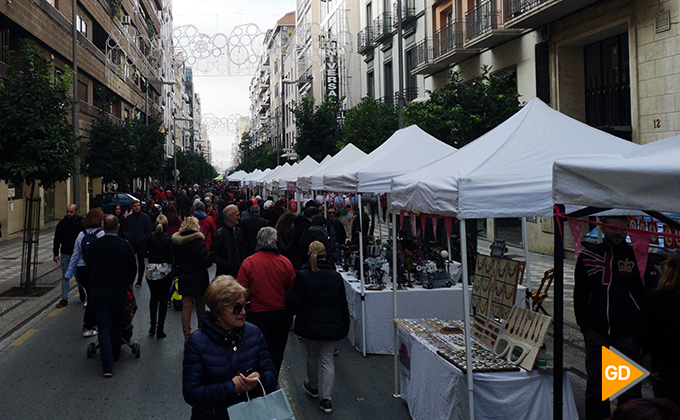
(113, 268)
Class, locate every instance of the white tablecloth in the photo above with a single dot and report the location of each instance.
(434, 389)
(444, 303)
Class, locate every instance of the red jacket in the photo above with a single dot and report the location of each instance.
(269, 277)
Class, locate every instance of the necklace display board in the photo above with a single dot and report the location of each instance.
(495, 286)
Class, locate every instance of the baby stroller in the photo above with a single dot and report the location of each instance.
(126, 336)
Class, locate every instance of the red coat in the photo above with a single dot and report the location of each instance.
(269, 277)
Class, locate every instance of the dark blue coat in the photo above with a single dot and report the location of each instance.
(212, 357)
(320, 302)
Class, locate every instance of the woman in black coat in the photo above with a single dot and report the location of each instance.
(322, 319)
(159, 274)
(192, 260)
(226, 356)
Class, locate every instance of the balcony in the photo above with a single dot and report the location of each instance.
(484, 26)
(423, 59)
(365, 41)
(382, 27)
(408, 12)
(536, 13)
(449, 44)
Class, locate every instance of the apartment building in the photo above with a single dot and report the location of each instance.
(123, 47)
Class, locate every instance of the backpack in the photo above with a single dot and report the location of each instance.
(87, 240)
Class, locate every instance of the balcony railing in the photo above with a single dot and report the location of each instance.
(449, 38)
(408, 12)
(481, 19)
(382, 26)
(411, 93)
(365, 40)
(423, 54)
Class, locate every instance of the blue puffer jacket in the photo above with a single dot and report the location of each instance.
(212, 357)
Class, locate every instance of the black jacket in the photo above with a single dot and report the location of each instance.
(658, 331)
(158, 247)
(111, 263)
(66, 233)
(227, 250)
(192, 260)
(183, 202)
(320, 302)
(212, 357)
(314, 233)
(250, 227)
(608, 290)
(136, 226)
(301, 225)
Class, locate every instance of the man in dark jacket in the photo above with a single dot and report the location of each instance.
(316, 232)
(183, 203)
(336, 231)
(65, 236)
(250, 226)
(228, 248)
(302, 223)
(111, 263)
(608, 292)
(135, 227)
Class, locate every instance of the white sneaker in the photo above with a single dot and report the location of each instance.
(89, 333)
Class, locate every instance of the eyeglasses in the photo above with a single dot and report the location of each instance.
(240, 306)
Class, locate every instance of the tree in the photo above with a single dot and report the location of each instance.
(262, 156)
(461, 112)
(149, 145)
(368, 125)
(109, 153)
(318, 127)
(192, 167)
(37, 144)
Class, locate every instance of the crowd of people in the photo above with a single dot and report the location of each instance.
(270, 263)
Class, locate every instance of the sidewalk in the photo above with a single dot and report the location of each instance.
(17, 311)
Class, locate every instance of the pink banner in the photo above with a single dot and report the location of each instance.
(640, 243)
(434, 226)
(423, 221)
(401, 219)
(576, 231)
(447, 222)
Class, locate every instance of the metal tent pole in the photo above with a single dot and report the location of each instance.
(527, 268)
(361, 277)
(466, 315)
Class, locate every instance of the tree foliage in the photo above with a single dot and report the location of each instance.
(118, 152)
(192, 166)
(368, 125)
(37, 142)
(461, 112)
(260, 157)
(318, 128)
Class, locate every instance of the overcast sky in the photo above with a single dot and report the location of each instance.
(226, 95)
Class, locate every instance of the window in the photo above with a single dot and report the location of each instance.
(81, 25)
(388, 84)
(369, 15)
(543, 71)
(370, 85)
(411, 81)
(82, 91)
(608, 86)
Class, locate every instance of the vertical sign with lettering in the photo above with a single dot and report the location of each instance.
(332, 80)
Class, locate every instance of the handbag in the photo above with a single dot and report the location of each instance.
(274, 406)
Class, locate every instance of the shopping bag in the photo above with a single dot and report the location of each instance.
(274, 406)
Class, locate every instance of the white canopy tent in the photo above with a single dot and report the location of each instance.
(307, 164)
(505, 173)
(406, 150)
(646, 178)
(251, 177)
(622, 181)
(237, 176)
(266, 179)
(314, 180)
(258, 182)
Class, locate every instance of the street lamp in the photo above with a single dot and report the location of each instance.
(175, 173)
(300, 81)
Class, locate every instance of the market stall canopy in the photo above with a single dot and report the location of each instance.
(646, 178)
(273, 182)
(307, 165)
(314, 180)
(237, 176)
(405, 151)
(250, 179)
(508, 171)
(266, 179)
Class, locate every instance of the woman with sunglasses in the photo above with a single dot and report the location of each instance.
(227, 356)
(322, 319)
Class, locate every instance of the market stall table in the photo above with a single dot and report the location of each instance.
(418, 302)
(434, 389)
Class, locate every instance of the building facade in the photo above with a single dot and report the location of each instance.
(123, 50)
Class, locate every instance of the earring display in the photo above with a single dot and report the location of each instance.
(521, 339)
